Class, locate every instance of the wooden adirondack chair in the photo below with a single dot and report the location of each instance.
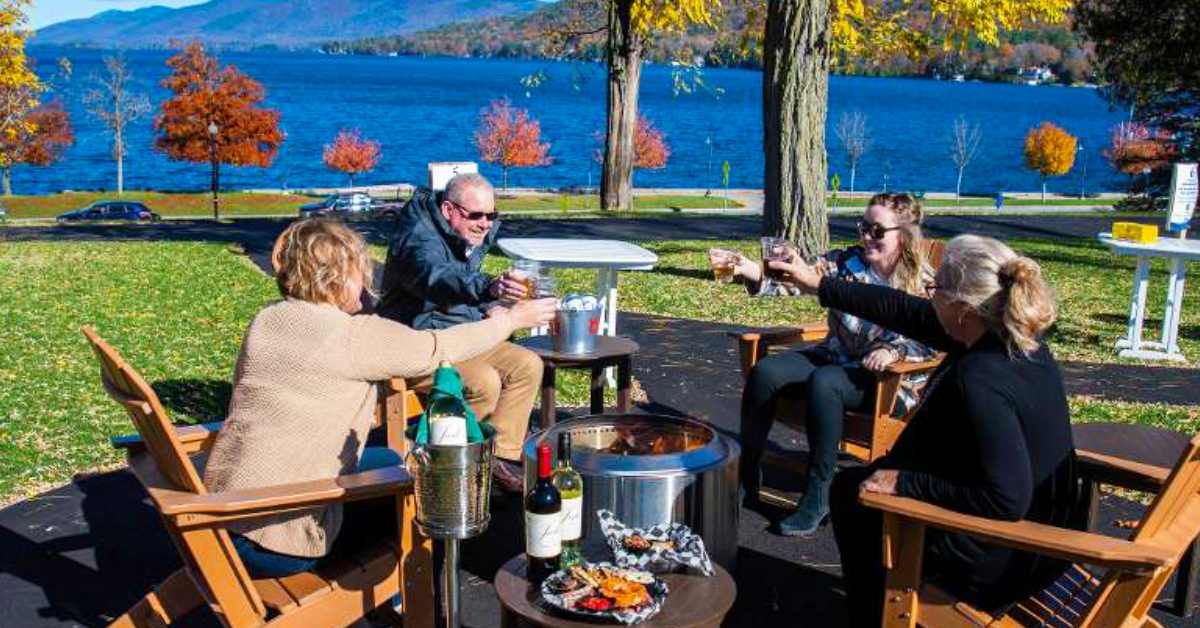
(1136, 569)
(867, 434)
(195, 519)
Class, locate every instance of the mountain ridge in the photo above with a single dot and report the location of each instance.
(269, 23)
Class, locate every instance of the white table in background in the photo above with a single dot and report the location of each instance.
(1178, 253)
(606, 256)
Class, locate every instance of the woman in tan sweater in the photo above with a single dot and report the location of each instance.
(303, 393)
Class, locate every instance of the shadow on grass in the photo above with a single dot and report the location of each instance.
(686, 273)
(204, 400)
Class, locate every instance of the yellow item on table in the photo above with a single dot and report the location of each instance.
(1147, 234)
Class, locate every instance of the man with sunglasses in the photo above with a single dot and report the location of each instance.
(433, 279)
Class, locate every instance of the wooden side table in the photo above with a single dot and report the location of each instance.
(1150, 446)
(610, 351)
(694, 601)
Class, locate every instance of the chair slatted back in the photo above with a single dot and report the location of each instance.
(208, 553)
(1172, 522)
(131, 392)
(933, 251)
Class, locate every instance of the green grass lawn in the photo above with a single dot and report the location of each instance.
(177, 312)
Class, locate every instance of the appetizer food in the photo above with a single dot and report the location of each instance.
(603, 590)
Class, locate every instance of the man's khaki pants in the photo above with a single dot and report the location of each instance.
(501, 386)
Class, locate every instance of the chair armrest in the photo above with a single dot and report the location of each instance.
(1120, 472)
(808, 332)
(900, 367)
(207, 510)
(1063, 543)
(194, 438)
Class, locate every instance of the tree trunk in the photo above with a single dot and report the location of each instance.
(351, 175)
(958, 188)
(120, 151)
(795, 100)
(8, 181)
(1043, 190)
(504, 179)
(853, 169)
(624, 77)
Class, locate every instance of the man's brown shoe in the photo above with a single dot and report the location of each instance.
(508, 476)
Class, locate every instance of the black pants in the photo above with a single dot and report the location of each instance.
(829, 390)
(859, 534)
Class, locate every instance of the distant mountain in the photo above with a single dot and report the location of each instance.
(282, 23)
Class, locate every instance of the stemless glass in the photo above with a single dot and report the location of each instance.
(527, 271)
(775, 250)
(722, 262)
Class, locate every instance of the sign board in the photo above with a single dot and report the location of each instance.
(440, 172)
(1185, 189)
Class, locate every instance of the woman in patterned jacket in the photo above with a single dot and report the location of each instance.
(837, 374)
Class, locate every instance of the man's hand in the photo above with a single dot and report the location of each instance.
(882, 481)
(508, 286)
(879, 359)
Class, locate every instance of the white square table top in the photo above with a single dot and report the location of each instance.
(578, 253)
(1164, 247)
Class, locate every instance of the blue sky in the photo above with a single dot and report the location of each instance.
(46, 12)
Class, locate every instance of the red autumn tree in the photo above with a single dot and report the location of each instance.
(509, 137)
(1135, 149)
(351, 154)
(650, 148)
(46, 135)
(207, 98)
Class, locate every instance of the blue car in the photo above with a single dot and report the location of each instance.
(111, 210)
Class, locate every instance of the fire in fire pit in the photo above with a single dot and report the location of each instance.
(655, 441)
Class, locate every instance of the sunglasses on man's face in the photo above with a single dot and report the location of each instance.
(475, 216)
(874, 230)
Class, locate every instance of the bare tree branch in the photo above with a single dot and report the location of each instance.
(964, 143)
(114, 105)
(855, 137)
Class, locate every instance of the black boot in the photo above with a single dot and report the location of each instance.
(750, 480)
(813, 509)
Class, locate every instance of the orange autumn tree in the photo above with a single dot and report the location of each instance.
(351, 154)
(1049, 151)
(206, 94)
(49, 135)
(507, 136)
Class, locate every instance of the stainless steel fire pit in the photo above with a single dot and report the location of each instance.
(652, 469)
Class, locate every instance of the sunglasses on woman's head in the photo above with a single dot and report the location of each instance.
(475, 216)
(874, 230)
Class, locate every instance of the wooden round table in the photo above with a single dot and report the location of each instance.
(610, 351)
(694, 601)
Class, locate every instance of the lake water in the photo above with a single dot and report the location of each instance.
(424, 110)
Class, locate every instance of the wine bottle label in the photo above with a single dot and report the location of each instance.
(448, 430)
(542, 536)
(572, 518)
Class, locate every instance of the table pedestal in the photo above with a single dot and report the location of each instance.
(1167, 348)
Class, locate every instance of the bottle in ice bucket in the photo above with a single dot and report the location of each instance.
(543, 510)
(570, 488)
(450, 421)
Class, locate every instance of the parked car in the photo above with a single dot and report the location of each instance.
(111, 210)
(342, 205)
(355, 205)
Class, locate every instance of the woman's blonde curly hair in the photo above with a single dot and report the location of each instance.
(315, 260)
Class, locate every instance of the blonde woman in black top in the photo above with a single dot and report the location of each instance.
(992, 436)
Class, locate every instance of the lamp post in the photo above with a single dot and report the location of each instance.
(213, 129)
(1083, 177)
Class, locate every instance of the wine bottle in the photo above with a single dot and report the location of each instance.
(447, 419)
(570, 489)
(543, 511)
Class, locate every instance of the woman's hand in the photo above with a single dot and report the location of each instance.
(798, 273)
(879, 359)
(528, 313)
(748, 269)
(882, 481)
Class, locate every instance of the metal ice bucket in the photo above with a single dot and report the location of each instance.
(575, 330)
(452, 485)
